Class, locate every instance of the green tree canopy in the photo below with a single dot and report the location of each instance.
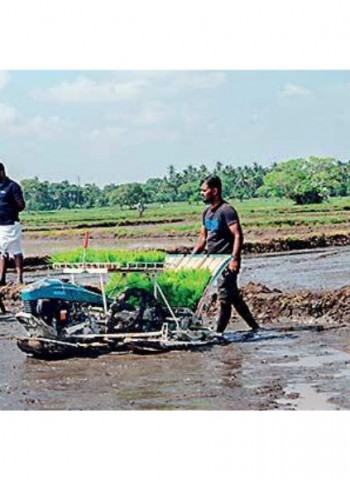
(128, 194)
(310, 180)
(303, 180)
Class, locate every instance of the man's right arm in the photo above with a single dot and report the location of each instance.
(200, 245)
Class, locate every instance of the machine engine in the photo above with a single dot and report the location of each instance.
(67, 308)
(63, 305)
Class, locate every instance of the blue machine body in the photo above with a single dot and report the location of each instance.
(59, 290)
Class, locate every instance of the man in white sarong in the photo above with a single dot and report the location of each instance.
(11, 203)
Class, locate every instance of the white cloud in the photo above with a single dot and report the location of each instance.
(292, 90)
(14, 124)
(190, 116)
(39, 127)
(116, 135)
(197, 117)
(85, 90)
(254, 119)
(8, 114)
(149, 114)
(163, 135)
(129, 85)
(4, 79)
(104, 142)
(205, 81)
(113, 139)
(182, 81)
(105, 134)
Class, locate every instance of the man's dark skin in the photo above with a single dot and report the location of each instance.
(213, 197)
(18, 258)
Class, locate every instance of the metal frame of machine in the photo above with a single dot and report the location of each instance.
(171, 335)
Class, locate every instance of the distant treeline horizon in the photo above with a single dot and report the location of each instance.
(304, 180)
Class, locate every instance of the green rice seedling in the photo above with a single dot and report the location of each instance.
(118, 283)
(110, 256)
(182, 288)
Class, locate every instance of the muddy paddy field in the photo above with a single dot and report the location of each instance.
(300, 360)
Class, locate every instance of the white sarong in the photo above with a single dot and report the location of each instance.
(10, 239)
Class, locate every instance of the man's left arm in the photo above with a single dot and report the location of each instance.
(18, 197)
(236, 231)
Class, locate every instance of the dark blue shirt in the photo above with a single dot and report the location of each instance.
(217, 223)
(10, 195)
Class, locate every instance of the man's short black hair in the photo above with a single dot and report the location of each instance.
(2, 167)
(213, 181)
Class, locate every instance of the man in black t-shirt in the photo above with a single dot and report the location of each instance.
(11, 203)
(221, 233)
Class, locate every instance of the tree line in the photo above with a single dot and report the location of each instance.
(304, 180)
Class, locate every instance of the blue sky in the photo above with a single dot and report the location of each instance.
(120, 126)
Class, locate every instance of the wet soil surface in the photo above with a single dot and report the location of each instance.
(299, 361)
(319, 269)
(277, 368)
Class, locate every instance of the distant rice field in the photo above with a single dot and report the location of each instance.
(183, 218)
